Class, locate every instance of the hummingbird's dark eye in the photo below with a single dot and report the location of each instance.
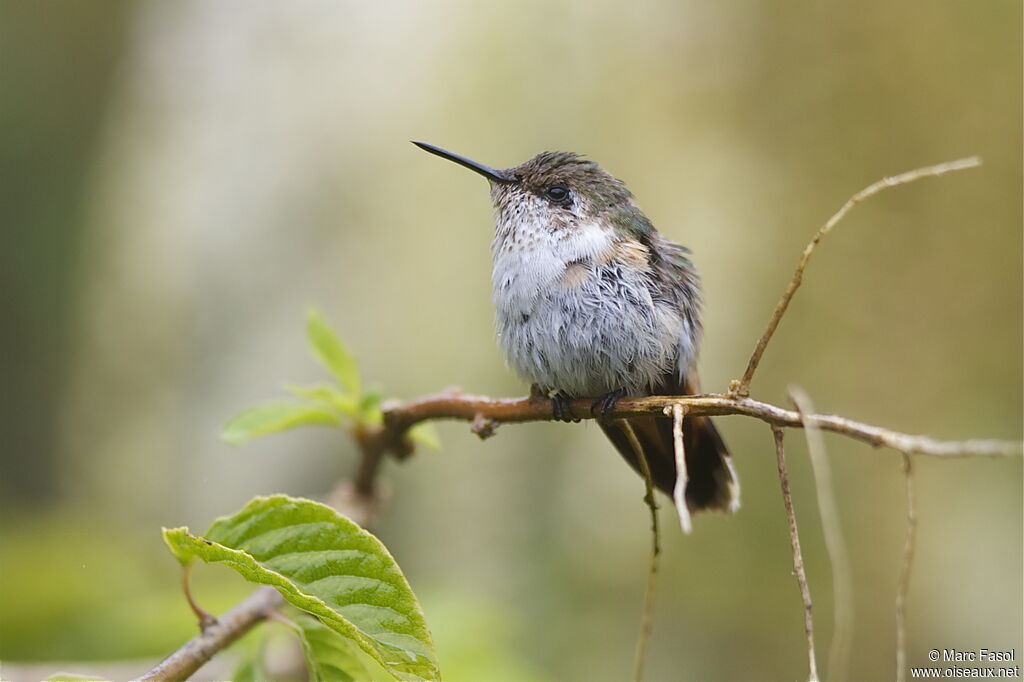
(557, 193)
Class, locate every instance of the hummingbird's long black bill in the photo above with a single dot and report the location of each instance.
(486, 171)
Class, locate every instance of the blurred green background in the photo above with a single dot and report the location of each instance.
(180, 180)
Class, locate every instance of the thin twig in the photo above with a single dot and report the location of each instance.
(798, 559)
(742, 387)
(646, 624)
(399, 417)
(677, 412)
(196, 652)
(904, 582)
(842, 582)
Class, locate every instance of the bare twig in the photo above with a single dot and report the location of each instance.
(798, 559)
(646, 623)
(742, 387)
(677, 412)
(399, 417)
(842, 582)
(905, 568)
(229, 627)
(371, 450)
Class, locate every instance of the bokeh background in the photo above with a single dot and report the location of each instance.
(180, 180)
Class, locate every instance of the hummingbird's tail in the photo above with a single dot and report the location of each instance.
(711, 480)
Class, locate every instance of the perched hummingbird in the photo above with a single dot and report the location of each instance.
(592, 302)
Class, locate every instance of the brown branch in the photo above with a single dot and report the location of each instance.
(399, 417)
(798, 559)
(742, 387)
(229, 627)
(904, 581)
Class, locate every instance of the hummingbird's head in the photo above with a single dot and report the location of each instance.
(559, 190)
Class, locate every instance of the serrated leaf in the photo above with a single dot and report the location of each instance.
(425, 433)
(332, 352)
(330, 656)
(324, 564)
(328, 396)
(273, 417)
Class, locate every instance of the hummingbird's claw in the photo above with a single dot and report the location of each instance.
(561, 409)
(606, 403)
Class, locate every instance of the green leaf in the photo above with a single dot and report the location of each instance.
(182, 552)
(425, 433)
(249, 665)
(332, 352)
(249, 668)
(328, 396)
(273, 417)
(324, 564)
(71, 677)
(331, 656)
(369, 409)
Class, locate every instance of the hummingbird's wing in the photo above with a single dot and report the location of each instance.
(677, 280)
(712, 482)
(673, 276)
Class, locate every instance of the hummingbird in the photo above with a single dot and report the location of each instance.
(592, 302)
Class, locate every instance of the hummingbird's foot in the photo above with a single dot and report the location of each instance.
(561, 408)
(606, 403)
